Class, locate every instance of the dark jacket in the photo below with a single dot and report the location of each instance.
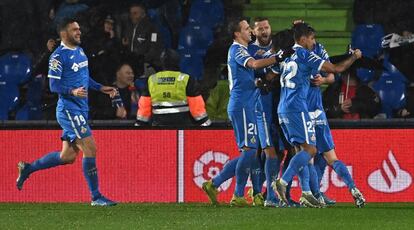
(366, 102)
(144, 40)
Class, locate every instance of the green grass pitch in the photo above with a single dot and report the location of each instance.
(203, 216)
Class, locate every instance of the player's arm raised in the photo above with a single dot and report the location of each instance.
(342, 66)
(260, 63)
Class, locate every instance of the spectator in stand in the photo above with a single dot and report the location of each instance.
(49, 99)
(348, 99)
(172, 98)
(140, 37)
(103, 49)
(124, 104)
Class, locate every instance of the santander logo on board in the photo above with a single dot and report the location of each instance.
(390, 178)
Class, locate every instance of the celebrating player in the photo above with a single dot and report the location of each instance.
(293, 111)
(69, 77)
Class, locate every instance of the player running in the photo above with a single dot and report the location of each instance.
(69, 77)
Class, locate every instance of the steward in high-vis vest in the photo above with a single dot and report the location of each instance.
(171, 98)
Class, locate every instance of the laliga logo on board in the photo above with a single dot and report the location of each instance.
(390, 178)
(208, 166)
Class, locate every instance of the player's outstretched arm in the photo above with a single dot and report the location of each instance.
(342, 66)
(111, 91)
(319, 80)
(260, 63)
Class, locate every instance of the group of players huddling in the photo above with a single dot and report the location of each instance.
(293, 58)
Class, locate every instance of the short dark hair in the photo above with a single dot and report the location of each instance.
(283, 40)
(302, 29)
(63, 25)
(260, 19)
(170, 60)
(140, 5)
(234, 25)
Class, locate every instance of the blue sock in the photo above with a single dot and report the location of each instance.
(343, 173)
(304, 178)
(91, 175)
(272, 166)
(242, 170)
(313, 180)
(229, 170)
(298, 161)
(255, 175)
(47, 161)
(320, 165)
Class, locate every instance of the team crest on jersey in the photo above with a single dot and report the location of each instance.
(83, 129)
(253, 140)
(313, 137)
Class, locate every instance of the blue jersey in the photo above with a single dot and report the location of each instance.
(257, 51)
(68, 70)
(295, 80)
(314, 94)
(243, 93)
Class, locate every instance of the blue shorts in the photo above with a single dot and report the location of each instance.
(324, 140)
(264, 128)
(298, 128)
(74, 124)
(244, 126)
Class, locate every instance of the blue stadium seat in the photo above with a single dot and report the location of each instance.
(365, 75)
(32, 110)
(367, 38)
(391, 90)
(192, 64)
(15, 69)
(195, 37)
(206, 12)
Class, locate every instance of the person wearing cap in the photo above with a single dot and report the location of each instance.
(172, 98)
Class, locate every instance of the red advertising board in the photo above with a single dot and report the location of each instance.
(145, 165)
(133, 166)
(380, 161)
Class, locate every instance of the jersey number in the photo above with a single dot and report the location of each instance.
(311, 128)
(80, 120)
(291, 69)
(251, 129)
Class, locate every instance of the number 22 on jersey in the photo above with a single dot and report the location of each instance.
(290, 70)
